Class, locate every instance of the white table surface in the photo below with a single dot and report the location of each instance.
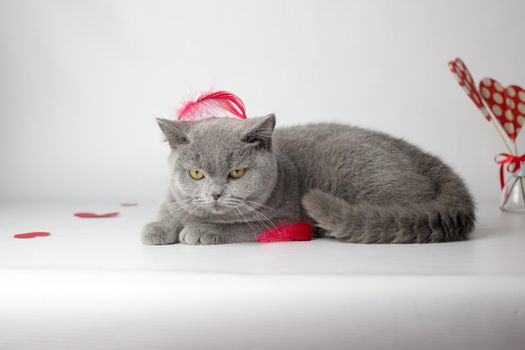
(93, 285)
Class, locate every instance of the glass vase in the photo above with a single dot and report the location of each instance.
(513, 193)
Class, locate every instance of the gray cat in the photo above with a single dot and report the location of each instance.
(232, 179)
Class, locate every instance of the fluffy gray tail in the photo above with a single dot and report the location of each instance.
(449, 217)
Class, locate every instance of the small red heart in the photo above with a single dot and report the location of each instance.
(95, 215)
(506, 103)
(31, 234)
(465, 80)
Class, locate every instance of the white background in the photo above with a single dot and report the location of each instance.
(82, 81)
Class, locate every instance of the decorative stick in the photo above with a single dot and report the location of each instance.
(522, 183)
(522, 187)
(502, 137)
(507, 195)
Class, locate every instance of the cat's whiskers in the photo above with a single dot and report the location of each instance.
(180, 205)
(259, 205)
(244, 218)
(234, 205)
(180, 201)
(255, 211)
(177, 204)
(202, 202)
(178, 210)
(261, 214)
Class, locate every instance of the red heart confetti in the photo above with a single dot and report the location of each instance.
(31, 234)
(465, 80)
(506, 103)
(129, 204)
(95, 215)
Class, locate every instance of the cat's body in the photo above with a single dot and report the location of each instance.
(355, 185)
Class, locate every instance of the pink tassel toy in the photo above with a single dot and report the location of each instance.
(212, 104)
(297, 231)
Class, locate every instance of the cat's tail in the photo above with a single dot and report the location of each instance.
(449, 216)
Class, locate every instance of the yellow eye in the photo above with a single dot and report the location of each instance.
(196, 174)
(237, 173)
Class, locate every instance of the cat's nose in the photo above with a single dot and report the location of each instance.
(216, 196)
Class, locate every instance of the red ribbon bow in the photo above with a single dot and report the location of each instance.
(513, 164)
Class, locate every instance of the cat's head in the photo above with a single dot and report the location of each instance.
(220, 166)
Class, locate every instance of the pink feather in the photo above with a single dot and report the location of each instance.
(297, 231)
(209, 104)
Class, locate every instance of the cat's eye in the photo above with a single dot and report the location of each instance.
(196, 174)
(237, 173)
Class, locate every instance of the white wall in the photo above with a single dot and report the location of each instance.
(81, 81)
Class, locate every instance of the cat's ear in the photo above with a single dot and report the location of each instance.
(175, 131)
(260, 132)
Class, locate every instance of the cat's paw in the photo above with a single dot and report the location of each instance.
(155, 234)
(196, 235)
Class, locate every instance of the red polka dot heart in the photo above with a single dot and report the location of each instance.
(504, 108)
(460, 71)
(507, 104)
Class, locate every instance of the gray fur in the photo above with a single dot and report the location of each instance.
(353, 184)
